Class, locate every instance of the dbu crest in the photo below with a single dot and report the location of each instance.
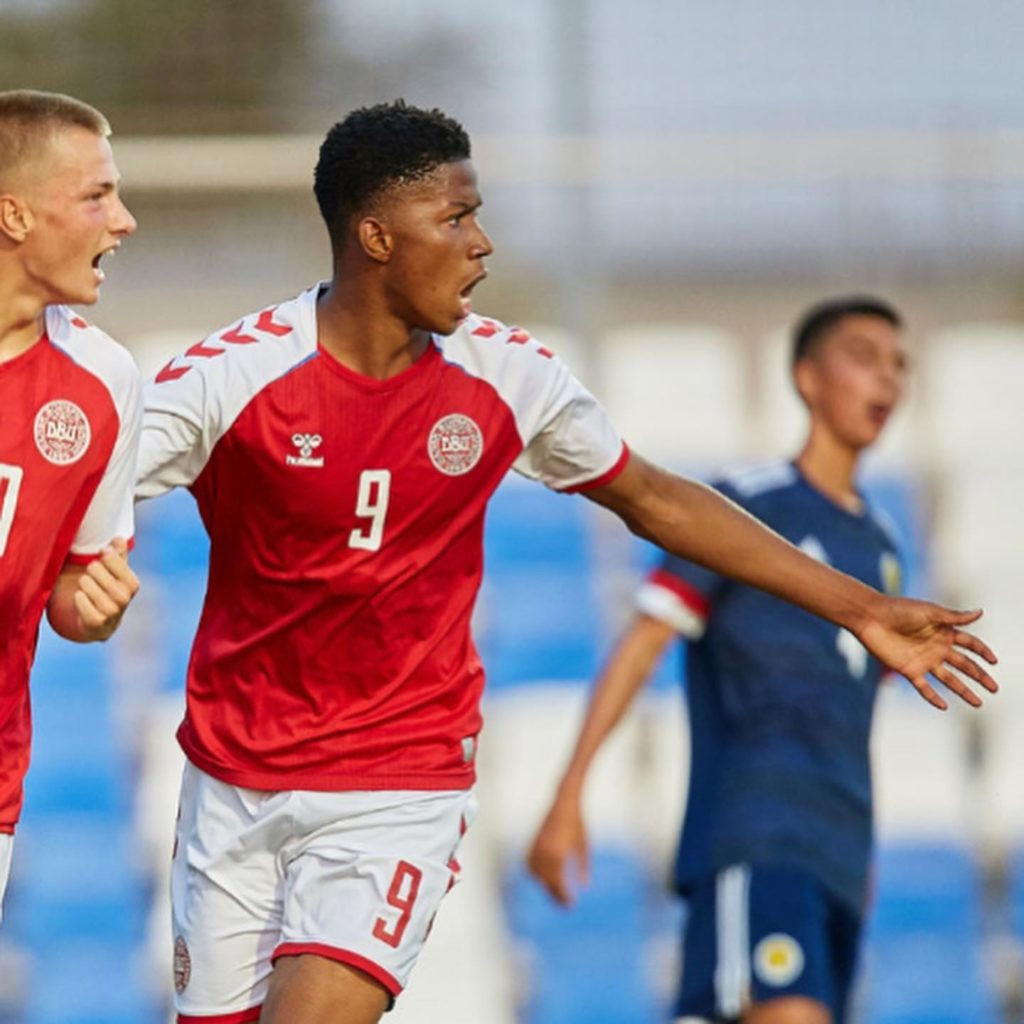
(62, 432)
(455, 444)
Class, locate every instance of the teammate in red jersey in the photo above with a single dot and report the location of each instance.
(342, 447)
(70, 408)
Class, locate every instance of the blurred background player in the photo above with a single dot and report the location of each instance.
(342, 447)
(69, 406)
(776, 842)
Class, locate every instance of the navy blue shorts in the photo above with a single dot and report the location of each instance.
(756, 932)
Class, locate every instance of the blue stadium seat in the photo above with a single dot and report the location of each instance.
(170, 539)
(588, 964)
(926, 888)
(539, 620)
(928, 980)
(1016, 893)
(76, 879)
(77, 906)
(924, 962)
(76, 764)
(85, 982)
(541, 624)
(527, 523)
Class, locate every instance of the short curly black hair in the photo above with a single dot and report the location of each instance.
(819, 320)
(376, 147)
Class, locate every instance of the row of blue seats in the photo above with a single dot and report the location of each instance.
(592, 963)
(924, 962)
(77, 903)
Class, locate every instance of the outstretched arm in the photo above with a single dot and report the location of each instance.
(914, 638)
(561, 840)
(88, 601)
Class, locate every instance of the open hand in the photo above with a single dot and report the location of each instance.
(920, 639)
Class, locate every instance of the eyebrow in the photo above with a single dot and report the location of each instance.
(104, 186)
(463, 206)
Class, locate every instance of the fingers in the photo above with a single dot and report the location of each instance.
(93, 618)
(548, 867)
(114, 559)
(583, 866)
(971, 668)
(955, 684)
(973, 643)
(113, 574)
(105, 588)
(559, 856)
(110, 587)
(923, 687)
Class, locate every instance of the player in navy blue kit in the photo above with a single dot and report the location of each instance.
(777, 835)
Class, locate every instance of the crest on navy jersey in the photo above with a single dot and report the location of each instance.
(455, 444)
(892, 574)
(778, 960)
(306, 445)
(62, 432)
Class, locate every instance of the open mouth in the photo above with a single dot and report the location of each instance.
(879, 413)
(465, 296)
(97, 269)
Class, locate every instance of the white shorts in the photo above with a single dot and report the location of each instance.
(6, 847)
(356, 877)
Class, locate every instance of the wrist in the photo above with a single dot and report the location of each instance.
(866, 614)
(570, 789)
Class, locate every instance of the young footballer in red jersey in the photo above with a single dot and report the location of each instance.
(342, 447)
(69, 406)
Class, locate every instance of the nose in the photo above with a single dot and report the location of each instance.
(892, 380)
(482, 244)
(123, 222)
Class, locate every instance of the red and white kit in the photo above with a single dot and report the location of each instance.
(69, 428)
(353, 876)
(346, 519)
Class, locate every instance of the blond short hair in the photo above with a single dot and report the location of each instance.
(30, 119)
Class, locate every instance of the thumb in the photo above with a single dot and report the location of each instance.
(119, 546)
(955, 618)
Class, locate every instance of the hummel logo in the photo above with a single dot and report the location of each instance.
(305, 443)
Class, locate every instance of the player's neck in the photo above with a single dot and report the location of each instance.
(363, 336)
(22, 323)
(831, 468)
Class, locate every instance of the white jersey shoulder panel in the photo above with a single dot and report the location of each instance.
(111, 511)
(193, 401)
(567, 437)
(754, 481)
(95, 351)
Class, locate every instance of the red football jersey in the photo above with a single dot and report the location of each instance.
(69, 429)
(345, 517)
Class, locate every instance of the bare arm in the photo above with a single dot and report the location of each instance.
(914, 638)
(562, 837)
(88, 602)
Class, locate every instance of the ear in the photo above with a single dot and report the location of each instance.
(805, 379)
(375, 239)
(16, 218)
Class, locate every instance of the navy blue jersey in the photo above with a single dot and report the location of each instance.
(780, 700)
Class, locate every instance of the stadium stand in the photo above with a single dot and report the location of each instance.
(693, 407)
(78, 896)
